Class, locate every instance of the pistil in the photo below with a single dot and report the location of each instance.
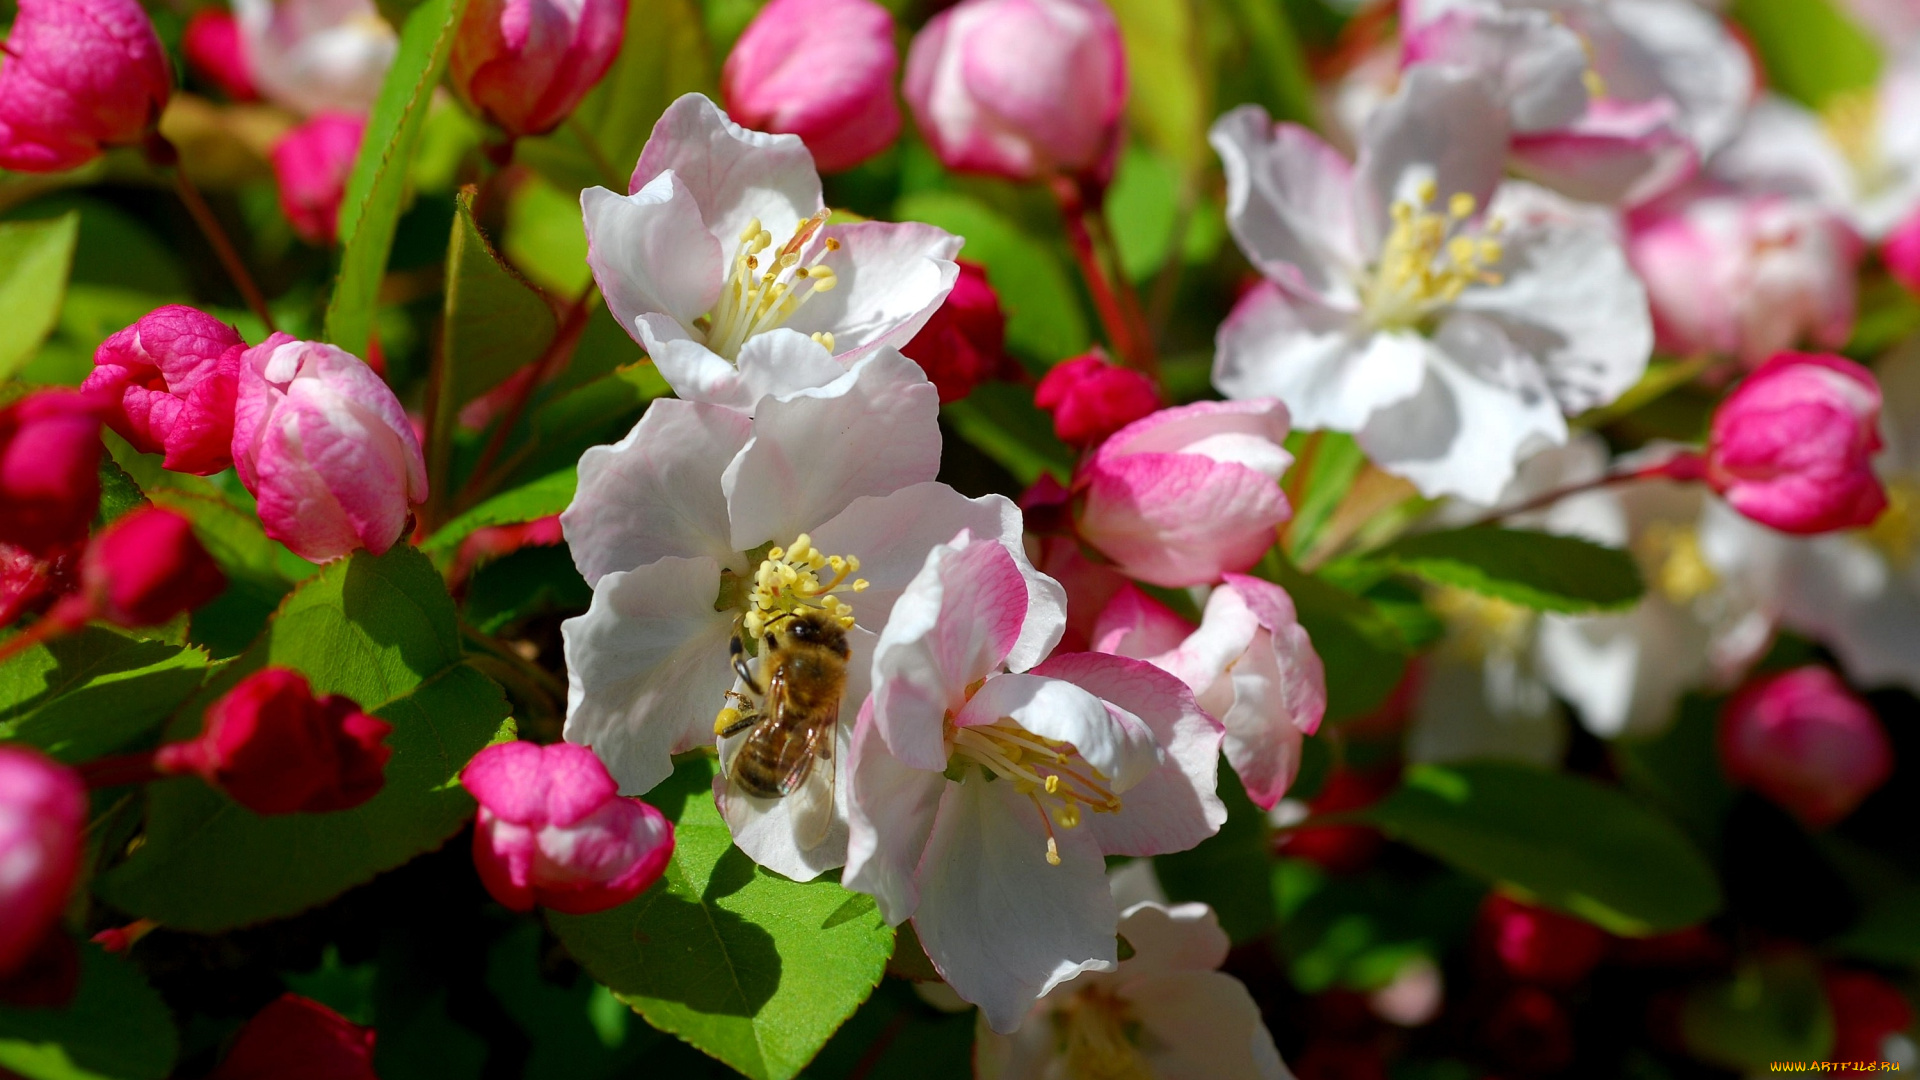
(788, 580)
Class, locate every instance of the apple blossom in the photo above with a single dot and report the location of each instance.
(525, 64)
(676, 528)
(1807, 742)
(1250, 666)
(963, 343)
(325, 448)
(50, 469)
(311, 164)
(1091, 398)
(1187, 494)
(43, 817)
(297, 1038)
(982, 802)
(1745, 275)
(80, 76)
(819, 69)
(171, 376)
(1024, 89)
(1164, 1011)
(1448, 340)
(553, 830)
(211, 44)
(680, 260)
(315, 56)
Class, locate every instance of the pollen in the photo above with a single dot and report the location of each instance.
(763, 290)
(790, 579)
(1048, 772)
(1674, 563)
(1430, 257)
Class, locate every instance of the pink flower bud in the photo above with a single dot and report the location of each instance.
(147, 568)
(311, 164)
(49, 469)
(819, 69)
(1023, 89)
(1792, 447)
(1807, 742)
(79, 76)
(554, 831)
(30, 582)
(213, 50)
(1091, 399)
(296, 1038)
(964, 343)
(325, 448)
(274, 748)
(43, 812)
(1534, 944)
(171, 378)
(1901, 252)
(1866, 1009)
(1190, 493)
(525, 64)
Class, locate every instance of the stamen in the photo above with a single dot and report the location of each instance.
(754, 301)
(788, 580)
(1429, 258)
(1045, 770)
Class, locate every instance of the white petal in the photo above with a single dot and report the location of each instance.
(1442, 125)
(1537, 61)
(891, 277)
(651, 253)
(1179, 937)
(1289, 203)
(1202, 1025)
(890, 810)
(872, 431)
(1330, 372)
(736, 176)
(1843, 591)
(1624, 673)
(1000, 924)
(656, 493)
(1783, 147)
(1476, 708)
(1690, 56)
(775, 363)
(647, 668)
(1111, 739)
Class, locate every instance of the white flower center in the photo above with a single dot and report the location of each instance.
(1047, 771)
(1096, 1033)
(788, 579)
(763, 291)
(1428, 260)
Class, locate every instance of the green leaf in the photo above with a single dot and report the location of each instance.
(1331, 460)
(370, 209)
(665, 56)
(1809, 49)
(1533, 569)
(528, 502)
(117, 1028)
(380, 630)
(1224, 870)
(89, 693)
(1274, 71)
(1044, 319)
(35, 258)
(1162, 52)
(1001, 421)
(746, 965)
(1770, 1010)
(1588, 850)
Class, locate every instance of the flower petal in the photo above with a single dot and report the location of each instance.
(890, 811)
(1328, 370)
(736, 176)
(891, 277)
(1442, 125)
(1181, 937)
(1203, 1023)
(1290, 204)
(1538, 62)
(651, 254)
(647, 668)
(1180, 519)
(1617, 152)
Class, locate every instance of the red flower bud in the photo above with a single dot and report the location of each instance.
(1536, 945)
(212, 47)
(276, 749)
(49, 469)
(171, 378)
(553, 830)
(1531, 1030)
(963, 344)
(1091, 399)
(1866, 1009)
(30, 582)
(311, 164)
(43, 812)
(1901, 252)
(1807, 742)
(1792, 447)
(147, 568)
(297, 1038)
(80, 75)
(1340, 849)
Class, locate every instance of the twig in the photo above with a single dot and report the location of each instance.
(164, 154)
(1118, 327)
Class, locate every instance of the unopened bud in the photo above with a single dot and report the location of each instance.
(1807, 742)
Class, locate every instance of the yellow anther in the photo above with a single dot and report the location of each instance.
(1596, 86)
(1053, 852)
(824, 339)
(748, 234)
(1017, 755)
(1053, 784)
(752, 302)
(1427, 191)
(789, 579)
(1429, 259)
(1461, 205)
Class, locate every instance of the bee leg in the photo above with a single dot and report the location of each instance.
(737, 649)
(746, 721)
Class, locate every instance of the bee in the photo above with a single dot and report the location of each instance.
(783, 744)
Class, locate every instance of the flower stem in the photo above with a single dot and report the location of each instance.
(119, 770)
(1073, 214)
(1130, 306)
(1683, 466)
(162, 153)
(56, 623)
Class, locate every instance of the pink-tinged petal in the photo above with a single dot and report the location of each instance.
(1538, 62)
(1303, 690)
(657, 492)
(890, 811)
(509, 781)
(603, 860)
(891, 276)
(1290, 204)
(1174, 806)
(1000, 924)
(1793, 446)
(774, 363)
(651, 253)
(892, 535)
(1203, 1023)
(1441, 125)
(311, 165)
(80, 76)
(647, 668)
(1683, 51)
(1181, 937)
(1323, 363)
(819, 69)
(1110, 739)
(525, 64)
(1247, 433)
(314, 55)
(1617, 152)
(1136, 625)
(872, 431)
(734, 175)
(1180, 519)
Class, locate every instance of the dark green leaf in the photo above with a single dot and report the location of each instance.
(1533, 569)
(528, 502)
(35, 258)
(1810, 50)
(117, 1028)
(754, 969)
(370, 209)
(89, 693)
(1225, 870)
(1770, 1010)
(1002, 422)
(1585, 849)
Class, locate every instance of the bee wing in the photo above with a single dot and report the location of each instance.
(811, 800)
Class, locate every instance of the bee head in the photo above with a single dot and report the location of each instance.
(809, 627)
